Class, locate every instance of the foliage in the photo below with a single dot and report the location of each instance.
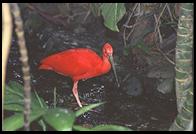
(184, 84)
(14, 98)
(111, 12)
(86, 109)
(95, 9)
(60, 119)
(141, 45)
(102, 128)
(16, 121)
(63, 119)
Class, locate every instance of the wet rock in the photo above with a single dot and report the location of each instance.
(79, 29)
(153, 118)
(33, 23)
(92, 93)
(59, 40)
(133, 86)
(166, 86)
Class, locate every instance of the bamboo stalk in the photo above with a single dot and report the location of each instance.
(25, 66)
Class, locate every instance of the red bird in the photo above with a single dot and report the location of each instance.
(80, 63)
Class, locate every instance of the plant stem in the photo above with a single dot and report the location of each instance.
(55, 97)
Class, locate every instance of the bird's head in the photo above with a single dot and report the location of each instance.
(108, 52)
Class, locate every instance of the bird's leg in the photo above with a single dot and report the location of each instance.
(75, 92)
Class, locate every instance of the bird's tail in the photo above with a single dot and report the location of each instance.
(48, 62)
(44, 66)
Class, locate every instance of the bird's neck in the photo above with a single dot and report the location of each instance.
(105, 64)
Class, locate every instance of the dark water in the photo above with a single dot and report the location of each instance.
(136, 104)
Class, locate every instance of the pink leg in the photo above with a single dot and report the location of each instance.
(75, 92)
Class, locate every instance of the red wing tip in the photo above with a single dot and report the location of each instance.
(43, 66)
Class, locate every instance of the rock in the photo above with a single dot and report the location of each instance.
(145, 26)
(133, 86)
(166, 86)
(79, 29)
(161, 72)
(92, 93)
(56, 40)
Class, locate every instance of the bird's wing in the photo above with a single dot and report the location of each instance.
(74, 62)
(80, 61)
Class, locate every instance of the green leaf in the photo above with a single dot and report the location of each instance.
(17, 87)
(60, 119)
(87, 108)
(17, 120)
(110, 128)
(14, 98)
(80, 128)
(112, 14)
(13, 107)
(37, 102)
(102, 128)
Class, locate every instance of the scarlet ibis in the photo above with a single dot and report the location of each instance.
(80, 63)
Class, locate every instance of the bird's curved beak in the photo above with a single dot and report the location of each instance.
(114, 69)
